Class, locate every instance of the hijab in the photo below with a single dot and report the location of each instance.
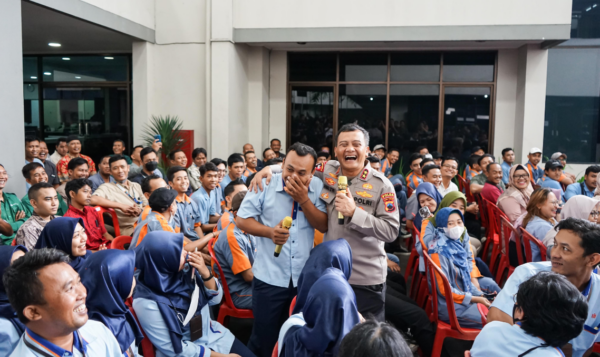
(452, 249)
(6, 310)
(332, 254)
(157, 258)
(429, 190)
(521, 196)
(58, 233)
(107, 275)
(446, 202)
(576, 207)
(330, 313)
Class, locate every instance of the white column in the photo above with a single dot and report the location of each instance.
(142, 85)
(506, 101)
(278, 97)
(258, 98)
(12, 135)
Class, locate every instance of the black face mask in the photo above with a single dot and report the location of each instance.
(151, 166)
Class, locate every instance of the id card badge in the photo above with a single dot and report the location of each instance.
(196, 327)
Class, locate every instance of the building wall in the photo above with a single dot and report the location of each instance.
(139, 11)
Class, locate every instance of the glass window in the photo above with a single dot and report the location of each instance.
(31, 110)
(30, 69)
(312, 116)
(469, 66)
(585, 19)
(572, 100)
(316, 67)
(85, 69)
(363, 67)
(364, 104)
(415, 67)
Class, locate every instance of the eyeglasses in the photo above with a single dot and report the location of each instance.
(521, 177)
(450, 167)
(220, 171)
(556, 203)
(594, 213)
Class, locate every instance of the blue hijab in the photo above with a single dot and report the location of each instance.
(108, 277)
(157, 259)
(330, 313)
(429, 190)
(452, 249)
(6, 310)
(58, 233)
(331, 254)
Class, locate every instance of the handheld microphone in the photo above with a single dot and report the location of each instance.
(342, 186)
(287, 223)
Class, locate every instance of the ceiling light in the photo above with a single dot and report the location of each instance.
(77, 77)
(54, 44)
(47, 73)
(33, 77)
(371, 98)
(485, 96)
(588, 9)
(109, 58)
(593, 6)
(66, 59)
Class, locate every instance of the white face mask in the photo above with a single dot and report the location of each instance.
(454, 232)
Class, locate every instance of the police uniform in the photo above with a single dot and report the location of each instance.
(376, 221)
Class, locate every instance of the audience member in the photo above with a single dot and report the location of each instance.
(508, 159)
(32, 151)
(178, 158)
(562, 157)
(268, 154)
(513, 201)
(77, 168)
(60, 150)
(48, 298)
(188, 214)
(163, 292)
(449, 170)
(11, 328)
(380, 151)
(79, 193)
(389, 161)
(478, 151)
(230, 191)
(49, 166)
(119, 149)
(74, 146)
(103, 175)
(426, 197)
(493, 187)
(587, 187)
(422, 150)
(34, 173)
(373, 338)
(205, 197)
(124, 196)
(149, 165)
(136, 162)
(548, 312)
(432, 174)
(109, 281)
(437, 158)
(43, 198)
(575, 254)
(235, 164)
(235, 252)
(276, 147)
(160, 218)
(415, 177)
(473, 169)
(552, 171)
(535, 172)
(217, 199)
(12, 213)
(199, 156)
(540, 218)
(322, 157)
(374, 162)
(66, 234)
(251, 163)
(149, 185)
(477, 182)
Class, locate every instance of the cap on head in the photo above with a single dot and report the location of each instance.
(436, 155)
(72, 138)
(558, 155)
(553, 164)
(162, 199)
(236, 202)
(535, 151)
(378, 146)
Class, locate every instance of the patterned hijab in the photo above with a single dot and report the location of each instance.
(521, 196)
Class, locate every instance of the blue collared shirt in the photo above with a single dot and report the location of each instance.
(546, 181)
(505, 172)
(269, 207)
(188, 217)
(235, 252)
(97, 180)
(205, 204)
(227, 180)
(574, 189)
(9, 337)
(216, 199)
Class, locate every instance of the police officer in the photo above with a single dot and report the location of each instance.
(370, 213)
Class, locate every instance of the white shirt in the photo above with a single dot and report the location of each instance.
(9, 337)
(444, 191)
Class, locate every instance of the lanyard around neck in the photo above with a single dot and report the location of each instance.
(37, 350)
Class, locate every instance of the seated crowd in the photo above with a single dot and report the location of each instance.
(141, 251)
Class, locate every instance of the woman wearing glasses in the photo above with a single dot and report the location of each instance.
(515, 198)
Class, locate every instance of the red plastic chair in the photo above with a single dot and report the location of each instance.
(147, 346)
(409, 191)
(292, 306)
(413, 261)
(482, 211)
(14, 242)
(465, 187)
(111, 212)
(119, 242)
(227, 308)
(274, 354)
(527, 240)
(493, 235)
(445, 330)
(504, 266)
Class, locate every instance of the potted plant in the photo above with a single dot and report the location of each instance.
(169, 128)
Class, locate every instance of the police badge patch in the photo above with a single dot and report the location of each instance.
(389, 201)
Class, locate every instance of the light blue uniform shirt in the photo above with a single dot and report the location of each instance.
(226, 181)
(538, 228)
(551, 183)
(205, 204)
(214, 336)
(28, 186)
(9, 337)
(188, 216)
(505, 172)
(97, 180)
(96, 341)
(499, 339)
(269, 207)
(216, 199)
(574, 189)
(505, 302)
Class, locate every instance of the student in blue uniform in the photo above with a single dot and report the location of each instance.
(549, 311)
(188, 215)
(164, 301)
(231, 190)
(66, 234)
(535, 172)
(108, 277)
(236, 167)
(575, 254)
(11, 328)
(205, 196)
(508, 159)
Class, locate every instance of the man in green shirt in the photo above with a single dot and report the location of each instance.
(12, 215)
(35, 173)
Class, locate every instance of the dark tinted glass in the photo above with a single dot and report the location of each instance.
(312, 116)
(415, 67)
(363, 67)
(585, 19)
(469, 66)
(85, 69)
(315, 67)
(31, 110)
(30, 70)
(364, 104)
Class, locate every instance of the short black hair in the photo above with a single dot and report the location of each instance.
(234, 158)
(265, 151)
(393, 149)
(425, 161)
(483, 157)
(173, 170)
(29, 139)
(22, 282)
(137, 147)
(146, 182)
(198, 151)
(374, 159)
(249, 179)
(352, 127)
(209, 166)
(102, 159)
(61, 140)
(474, 160)
(594, 168)
(374, 338)
(475, 149)
(76, 162)
(302, 150)
(414, 157)
(554, 310)
(73, 138)
(34, 191)
(487, 169)
(275, 140)
(145, 151)
(428, 168)
(27, 169)
(587, 231)
(324, 154)
(218, 161)
(449, 158)
(504, 151)
(172, 154)
(273, 161)
(419, 148)
(120, 141)
(249, 152)
(75, 186)
(115, 158)
(231, 186)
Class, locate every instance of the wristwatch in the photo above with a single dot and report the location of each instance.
(209, 277)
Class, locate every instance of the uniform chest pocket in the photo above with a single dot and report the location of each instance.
(364, 199)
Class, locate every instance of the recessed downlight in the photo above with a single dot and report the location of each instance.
(47, 74)
(109, 58)
(33, 77)
(54, 44)
(66, 59)
(77, 77)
